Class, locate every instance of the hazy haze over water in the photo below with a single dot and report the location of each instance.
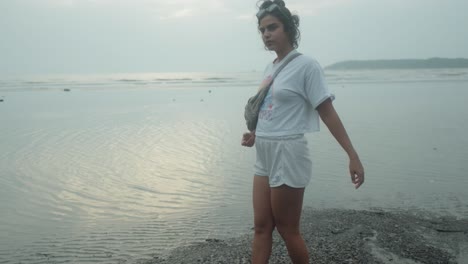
(87, 37)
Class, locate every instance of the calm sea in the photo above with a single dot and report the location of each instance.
(124, 167)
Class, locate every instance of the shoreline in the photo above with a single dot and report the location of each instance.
(347, 236)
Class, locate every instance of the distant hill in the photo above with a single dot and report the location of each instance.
(432, 63)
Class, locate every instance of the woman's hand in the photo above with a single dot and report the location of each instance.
(357, 172)
(248, 139)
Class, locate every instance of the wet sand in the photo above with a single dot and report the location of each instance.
(348, 236)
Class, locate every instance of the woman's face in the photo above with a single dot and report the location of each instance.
(273, 34)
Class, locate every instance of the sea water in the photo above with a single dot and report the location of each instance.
(116, 168)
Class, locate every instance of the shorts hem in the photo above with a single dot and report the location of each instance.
(289, 185)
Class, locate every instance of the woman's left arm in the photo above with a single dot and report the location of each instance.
(331, 119)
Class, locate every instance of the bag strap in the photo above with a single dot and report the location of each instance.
(290, 58)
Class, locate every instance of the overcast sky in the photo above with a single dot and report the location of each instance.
(122, 36)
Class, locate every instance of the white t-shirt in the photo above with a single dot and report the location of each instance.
(290, 105)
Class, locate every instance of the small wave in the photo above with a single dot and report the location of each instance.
(219, 79)
(172, 79)
(209, 82)
(453, 74)
(35, 82)
(129, 80)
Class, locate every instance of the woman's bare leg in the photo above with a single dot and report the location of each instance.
(286, 203)
(263, 221)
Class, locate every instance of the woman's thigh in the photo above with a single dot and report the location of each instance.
(286, 204)
(263, 215)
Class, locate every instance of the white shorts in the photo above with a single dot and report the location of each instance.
(284, 160)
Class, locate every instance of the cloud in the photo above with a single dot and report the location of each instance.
(177, 14)
(163, 9)
(246, 17)
(304, 8)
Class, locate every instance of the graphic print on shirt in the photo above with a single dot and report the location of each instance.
(266, 110)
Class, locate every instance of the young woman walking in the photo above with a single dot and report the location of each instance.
(295, 101)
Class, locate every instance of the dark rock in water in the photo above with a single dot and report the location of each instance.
(209, 91)
(213, 240)
(66, 90)
(1, 100)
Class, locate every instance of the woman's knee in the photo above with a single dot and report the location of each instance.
(287, 231)
(264, 228)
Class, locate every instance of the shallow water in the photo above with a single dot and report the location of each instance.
(116, 170)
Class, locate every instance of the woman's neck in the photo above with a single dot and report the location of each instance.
(280, 54)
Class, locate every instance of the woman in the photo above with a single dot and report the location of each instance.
(292, 107)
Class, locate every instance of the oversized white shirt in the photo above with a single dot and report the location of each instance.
(290, 105)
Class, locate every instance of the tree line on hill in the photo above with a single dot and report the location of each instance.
(432, 63)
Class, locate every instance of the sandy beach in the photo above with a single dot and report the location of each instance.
(348, 236)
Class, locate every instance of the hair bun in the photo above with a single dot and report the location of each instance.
(280, 3)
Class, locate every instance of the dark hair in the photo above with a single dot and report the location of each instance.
(290, 21)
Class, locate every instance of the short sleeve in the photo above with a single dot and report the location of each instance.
(316, 89)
